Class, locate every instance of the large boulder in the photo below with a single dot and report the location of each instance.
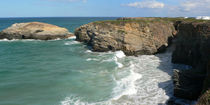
(34, 30)
(192, 48)
(133, 37)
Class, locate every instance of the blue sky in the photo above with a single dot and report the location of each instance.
(101, 8)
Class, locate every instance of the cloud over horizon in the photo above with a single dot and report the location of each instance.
(146, 4)
(103, 8)
(177, 8)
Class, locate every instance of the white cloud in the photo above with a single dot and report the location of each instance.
(190, 7)
(147, 4)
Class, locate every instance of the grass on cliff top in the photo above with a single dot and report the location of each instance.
(122, 21)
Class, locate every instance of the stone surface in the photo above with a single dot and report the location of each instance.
(34, 30)
(187, 84)
(192, 48)
(132, 37)
(204, 99)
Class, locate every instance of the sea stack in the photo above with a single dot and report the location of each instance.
(34, 30)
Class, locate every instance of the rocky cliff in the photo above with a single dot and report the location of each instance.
(133, 37)
(192, 48)
(34, 30)
(151, 35)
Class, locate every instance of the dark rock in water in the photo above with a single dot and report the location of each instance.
(192, 48)
(34, 30)
(134, 37)
(187, 84)
(207, 80)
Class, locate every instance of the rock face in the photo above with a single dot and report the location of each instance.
(192, 48)
(34, 30)
(132, 37)
(187, 84)
(204, 99)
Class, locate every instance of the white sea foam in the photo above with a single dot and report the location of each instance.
(55, 39)
(72, 100)
(4, 40)
(126, 86)
(72, 37)
(92, 59)
(71, 43)
(120, 54)
(23, 40)
(148, 82)
(88, 51)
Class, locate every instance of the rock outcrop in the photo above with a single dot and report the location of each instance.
(136, 36)
(34, 30)
(192, 48)
(204, 99)
(133, 37)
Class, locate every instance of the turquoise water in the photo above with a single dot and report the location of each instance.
(65, 72)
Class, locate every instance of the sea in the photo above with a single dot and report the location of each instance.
(67, 72)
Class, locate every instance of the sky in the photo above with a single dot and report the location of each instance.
(104, 8)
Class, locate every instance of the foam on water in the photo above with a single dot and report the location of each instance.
(119, 55)
(126, 86)
(23, 40)
(144, 80)
(71, 42)
(72, 37)
(148, 81)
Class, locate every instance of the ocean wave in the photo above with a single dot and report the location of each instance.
(120, 54)
(92, 59)
(126, 86)
(73, 100)
(23, 40)
(72, 37)
(143, 80)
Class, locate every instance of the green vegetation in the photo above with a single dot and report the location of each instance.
(121, 31)
(122, 21)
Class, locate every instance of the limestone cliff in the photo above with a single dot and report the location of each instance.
(134, 37)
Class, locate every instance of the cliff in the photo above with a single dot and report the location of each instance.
(192, 48)
(34, 30)
(137, 36)
(133, 37)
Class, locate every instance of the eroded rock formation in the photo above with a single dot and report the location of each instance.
(132, 37)
(34, 30)
(192, 48)
(137, 36)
